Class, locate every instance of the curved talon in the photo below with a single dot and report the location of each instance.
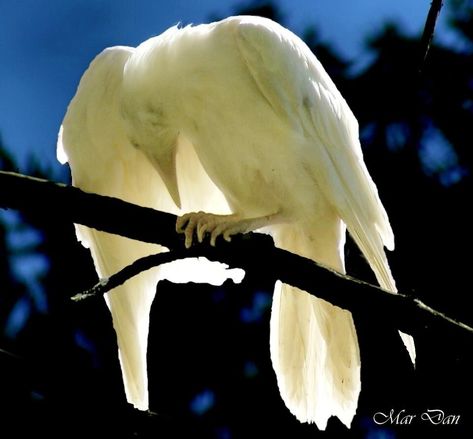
(181, 223)
(213, 238)
(189, 230)
(218, 231)
(227, 235)
(188, 235)
(202, 228)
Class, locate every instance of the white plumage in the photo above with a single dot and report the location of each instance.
(238, 118)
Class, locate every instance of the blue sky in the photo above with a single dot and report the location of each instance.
(45, 45)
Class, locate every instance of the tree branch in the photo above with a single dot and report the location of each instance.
(246, 251)
(429, 28)
(33, 195)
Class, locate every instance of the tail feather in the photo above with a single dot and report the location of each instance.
(315, 355)
(314, 348)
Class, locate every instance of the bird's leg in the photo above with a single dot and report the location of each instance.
(201, 223)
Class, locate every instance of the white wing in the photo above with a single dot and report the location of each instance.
(336, 159)
(298, 88)
(102, 160)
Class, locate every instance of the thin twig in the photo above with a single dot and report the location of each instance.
(9, 354)
(143, 264)
(429, 28)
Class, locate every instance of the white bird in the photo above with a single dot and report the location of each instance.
(241, 121)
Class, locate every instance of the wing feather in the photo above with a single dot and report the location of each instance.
(309, 101)
(298, 89)
(102, 160)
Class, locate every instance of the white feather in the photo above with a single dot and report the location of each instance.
(235, 116)
(102, 160)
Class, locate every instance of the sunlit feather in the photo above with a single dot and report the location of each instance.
(235, 117)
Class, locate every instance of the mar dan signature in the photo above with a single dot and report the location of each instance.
(402, 417)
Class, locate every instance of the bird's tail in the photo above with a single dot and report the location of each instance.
(314, 347)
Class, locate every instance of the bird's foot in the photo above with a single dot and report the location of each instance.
(202, 223)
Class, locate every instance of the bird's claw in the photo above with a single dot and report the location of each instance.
(202, 223)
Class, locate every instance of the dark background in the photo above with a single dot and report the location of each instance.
(210, 372)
